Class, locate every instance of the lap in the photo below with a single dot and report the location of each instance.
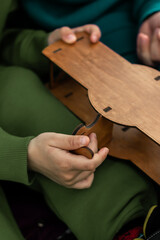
(28, 108)
(119, 194)
(8, 226)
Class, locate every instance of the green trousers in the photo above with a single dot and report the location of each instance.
(120, 192)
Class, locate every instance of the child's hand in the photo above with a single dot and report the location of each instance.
(148, 40)
(49, 154)
(68, 35)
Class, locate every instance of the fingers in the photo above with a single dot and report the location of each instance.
(86, 183)
(85, 179)
(68, 142)
(71, 142)
(64, 33)
(155, 46)
(143, 49)
(75, 177)
(93, 145)
(81, 176)
(68, 35)
(158, 34)
(93, 31)
(75, 162)
(83, 164)
(100, 156)
(47, 156)
(148, 48)
(54, 36)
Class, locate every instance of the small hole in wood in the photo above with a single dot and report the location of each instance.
(79, 39)
(68, 94)
(124, 129)
(157, 78)
(57, 50)
(107, 109)
(83, 133)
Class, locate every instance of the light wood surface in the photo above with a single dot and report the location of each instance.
(130, 91)
(101, 126)
(127, 143)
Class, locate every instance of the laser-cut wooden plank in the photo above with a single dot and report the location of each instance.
(126, 143)
(130, 90)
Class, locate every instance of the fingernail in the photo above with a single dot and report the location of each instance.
(94, 38)
(143, 38)
(71, 37)
(83, 141)
(106, 150)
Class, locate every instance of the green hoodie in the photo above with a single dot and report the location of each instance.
(23, 48)
(117, 19)
(14, 51)
(13, 149)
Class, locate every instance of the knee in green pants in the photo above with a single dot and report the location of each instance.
(28, 108)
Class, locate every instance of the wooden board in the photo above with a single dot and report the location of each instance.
(124, 93)
(126, 143)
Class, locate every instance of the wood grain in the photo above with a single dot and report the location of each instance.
(127, 143)
(131, 91)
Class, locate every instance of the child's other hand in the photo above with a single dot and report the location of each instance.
(68, 35)
(148, 40)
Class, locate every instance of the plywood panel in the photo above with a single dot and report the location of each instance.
(130, 91)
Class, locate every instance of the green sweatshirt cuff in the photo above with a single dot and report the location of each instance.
(149, 8)
(13, 158)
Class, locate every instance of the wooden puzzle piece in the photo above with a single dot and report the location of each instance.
(127, 143)
(122, 92)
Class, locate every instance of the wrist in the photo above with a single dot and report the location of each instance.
(31, 155)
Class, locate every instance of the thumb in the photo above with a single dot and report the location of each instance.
(69, 142)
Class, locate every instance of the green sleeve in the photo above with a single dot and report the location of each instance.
(13, 158)
(143, 8)
(23, 48)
